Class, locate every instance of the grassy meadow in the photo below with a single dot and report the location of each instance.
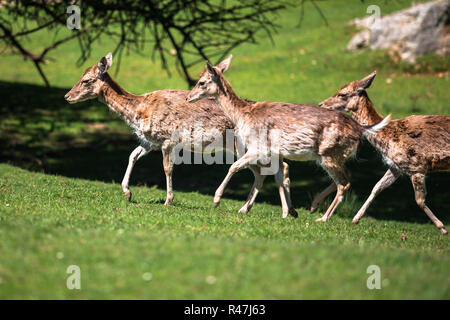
(61, 166)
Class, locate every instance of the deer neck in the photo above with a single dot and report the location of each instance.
(366, 114)
(118, 99)
(230, 102)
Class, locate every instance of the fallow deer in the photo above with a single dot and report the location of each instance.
(298, 132)
(154, 117)
(414, 145)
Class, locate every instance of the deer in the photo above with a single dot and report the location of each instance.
(299, 132)
(413, 146)
(155, 117)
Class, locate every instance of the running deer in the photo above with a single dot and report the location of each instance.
(299, 132)
(155, 117)
(413, 145)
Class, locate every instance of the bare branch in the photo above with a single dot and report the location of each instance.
(185, 29)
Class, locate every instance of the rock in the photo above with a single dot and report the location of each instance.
(360, 41)
(424, 28)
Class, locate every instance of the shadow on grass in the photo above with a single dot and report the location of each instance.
(40, 131)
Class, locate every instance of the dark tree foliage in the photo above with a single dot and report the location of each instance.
(188, 30)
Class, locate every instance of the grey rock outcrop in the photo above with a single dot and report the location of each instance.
(423, 28)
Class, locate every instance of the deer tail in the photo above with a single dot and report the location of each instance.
(378, 126)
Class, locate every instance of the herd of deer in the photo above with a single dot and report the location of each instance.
(413, 145)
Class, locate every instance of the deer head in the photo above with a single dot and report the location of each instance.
(209, 83)
(88, 87)
(347, 98)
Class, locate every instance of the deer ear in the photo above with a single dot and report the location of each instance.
(210, 69)
(105, 63)
(367, 81)
(223, 66)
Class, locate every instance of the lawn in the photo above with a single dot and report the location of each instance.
(61, 203)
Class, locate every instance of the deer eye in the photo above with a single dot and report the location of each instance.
(85, 81)
(201, 83)
(342, 95)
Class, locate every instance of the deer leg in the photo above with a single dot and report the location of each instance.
(287, 182)
(420, 191)
(137, 153)
(287, 189)
(240, 164)
(282, 190)
(340, 178)
(325, 193)
(257, 185)
(322, 196)
(168, 169)
(388, 179)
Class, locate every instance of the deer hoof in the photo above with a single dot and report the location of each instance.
(355, 221)
(244, 210)
(216, 201)
(313, 209)
(323, 219)
(443, 231)
(128, 194)
(169, 199)
(293, 213)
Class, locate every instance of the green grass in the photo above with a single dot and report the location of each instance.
(64, 204)
(50, 222)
